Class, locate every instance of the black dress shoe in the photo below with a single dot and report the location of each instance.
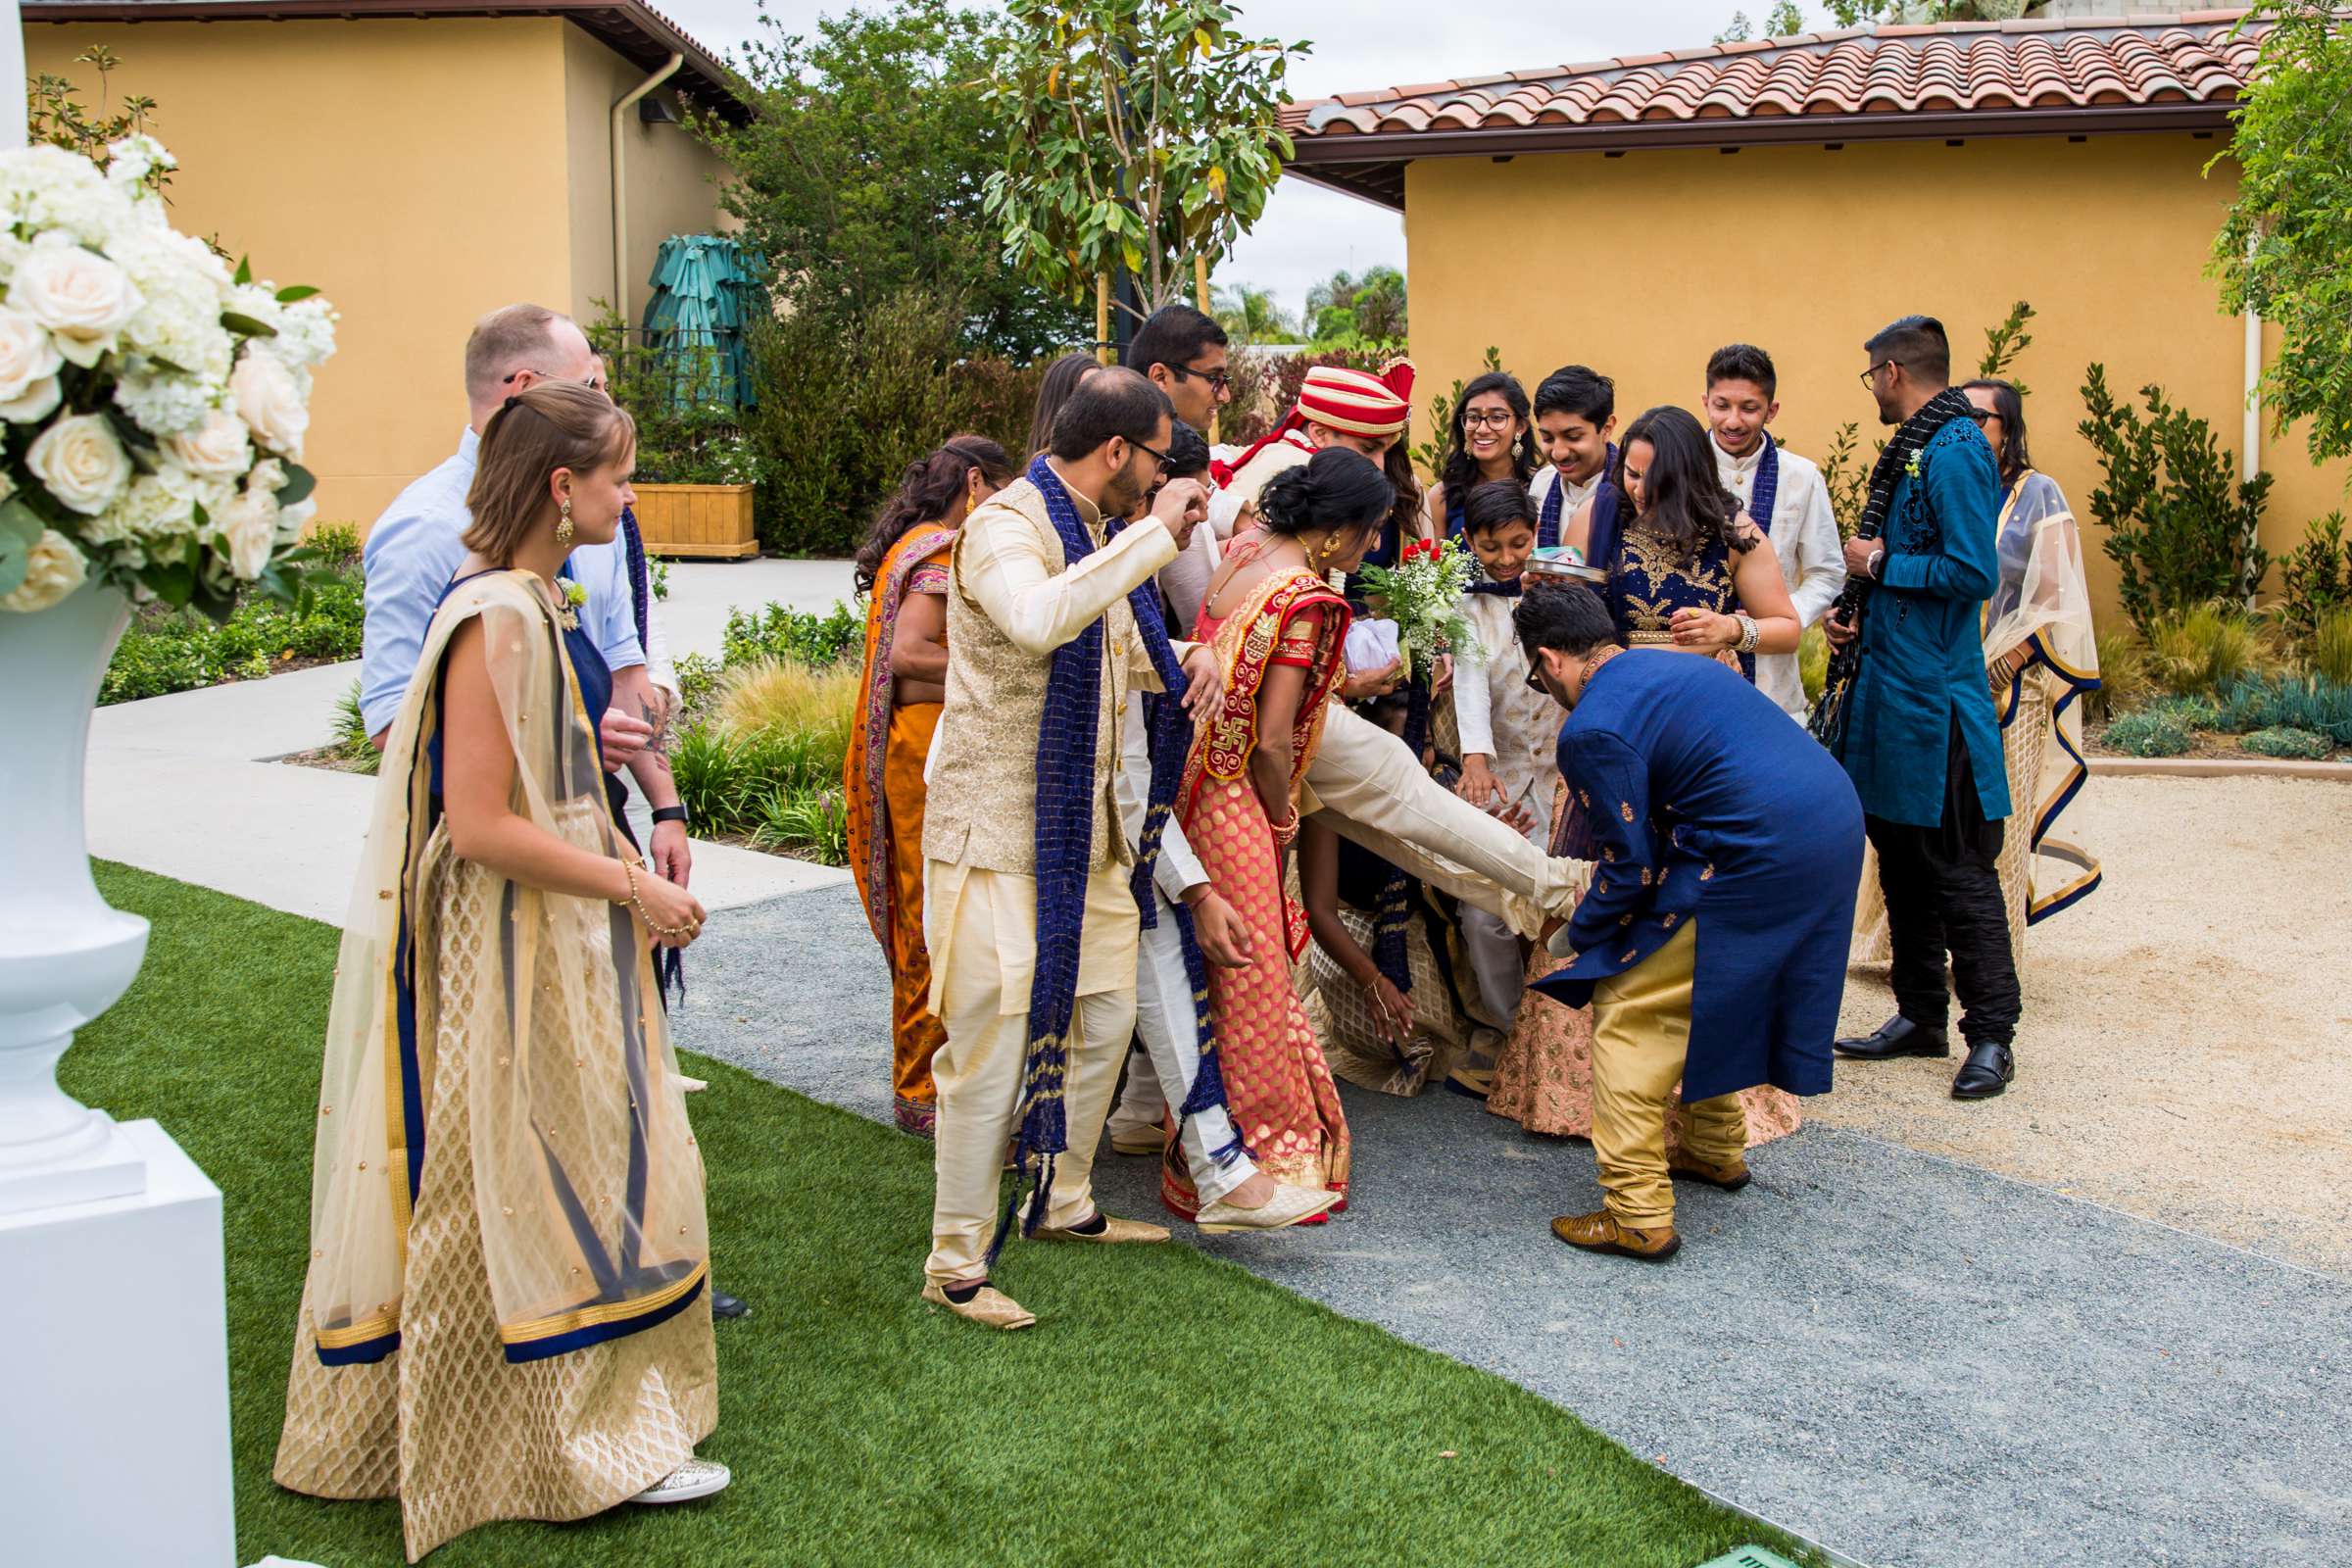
(724, 1305)
(1898, 1036)
(1987, 1071)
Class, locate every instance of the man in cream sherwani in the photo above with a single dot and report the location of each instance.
(1012, 602)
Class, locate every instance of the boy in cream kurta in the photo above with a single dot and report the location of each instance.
(1011, 604)
(1509, 730)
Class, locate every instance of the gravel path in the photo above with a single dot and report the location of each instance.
(1911, 1359)
(2184, 1054)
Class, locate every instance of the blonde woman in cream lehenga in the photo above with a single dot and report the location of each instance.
(505, 1313)
(2041, 654)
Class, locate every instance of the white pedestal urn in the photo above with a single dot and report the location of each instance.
(114, 1340)
(65, 955)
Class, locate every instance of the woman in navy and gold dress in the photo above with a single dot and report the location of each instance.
(1684, 575)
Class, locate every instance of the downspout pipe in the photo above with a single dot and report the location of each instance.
(620, 181)
(2250, 445)
(2250, 460)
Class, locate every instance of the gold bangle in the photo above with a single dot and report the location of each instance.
(1286, 832)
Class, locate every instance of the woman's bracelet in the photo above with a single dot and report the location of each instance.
(635, 902)
(1285, 832)
(1749, 633)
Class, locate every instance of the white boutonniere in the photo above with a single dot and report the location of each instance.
(574, 596)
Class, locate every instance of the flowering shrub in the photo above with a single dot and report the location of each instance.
(1423, 595)
(155, 405)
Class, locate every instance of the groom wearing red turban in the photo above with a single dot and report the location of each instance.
(1337, 406)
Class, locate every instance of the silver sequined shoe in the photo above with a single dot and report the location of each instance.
(696, 1478)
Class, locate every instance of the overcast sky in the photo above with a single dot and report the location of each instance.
(1310, 232)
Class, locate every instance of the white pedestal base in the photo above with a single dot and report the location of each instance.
(113, 1358)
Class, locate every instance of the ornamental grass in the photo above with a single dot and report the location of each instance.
(766, 766)
(2205, 649)
(2329, 652)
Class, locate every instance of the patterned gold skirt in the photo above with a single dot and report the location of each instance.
(2024, 741)
(1343, 1017)
(445, 1423)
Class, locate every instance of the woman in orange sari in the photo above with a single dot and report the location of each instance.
(1277, 628)
(903, 566)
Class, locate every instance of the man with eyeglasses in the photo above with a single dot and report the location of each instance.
(1185, 353)
(1029, 909)
(1915, 728)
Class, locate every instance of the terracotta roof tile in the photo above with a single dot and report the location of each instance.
(1949, 68)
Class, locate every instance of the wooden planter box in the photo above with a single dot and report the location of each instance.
(697, 521)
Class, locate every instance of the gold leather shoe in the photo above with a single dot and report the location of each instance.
(991, 1306)
(1139, 1140)
(1600, 1233)
(1290, 1206)
(1115, 1232)
(1730, 1178)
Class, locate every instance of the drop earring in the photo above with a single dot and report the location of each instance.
(564, 524)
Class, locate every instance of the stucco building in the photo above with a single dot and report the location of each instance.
(1799, 193)
(422, 163)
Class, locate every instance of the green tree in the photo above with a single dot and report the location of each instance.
(859, 173)
(1361, 312)
(1136, 138)
(1785, 19)
(1250, 315)
(2281, 251)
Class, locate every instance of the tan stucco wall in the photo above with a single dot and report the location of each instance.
(1641, 266)
(337, 154)
(344, 155)
(670, 189)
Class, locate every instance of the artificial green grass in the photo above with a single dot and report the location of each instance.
(1170, 1409)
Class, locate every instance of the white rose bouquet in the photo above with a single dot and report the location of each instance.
(153, 404)
(1423, 595)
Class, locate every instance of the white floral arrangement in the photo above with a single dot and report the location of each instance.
(1423, 595)
(155, 402)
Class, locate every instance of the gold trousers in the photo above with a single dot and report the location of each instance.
(1640, 1037)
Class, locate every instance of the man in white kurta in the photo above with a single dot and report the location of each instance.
(1013, 602)
(1740, 390)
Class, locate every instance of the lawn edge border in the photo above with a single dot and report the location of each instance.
(2216, 767)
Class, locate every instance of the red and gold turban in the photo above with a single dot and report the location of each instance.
(1357, 402)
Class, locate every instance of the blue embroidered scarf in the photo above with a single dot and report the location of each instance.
(1063, 841)
(1548, 523)
(1767, 485)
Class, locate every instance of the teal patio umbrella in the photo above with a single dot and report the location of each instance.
(706, 290)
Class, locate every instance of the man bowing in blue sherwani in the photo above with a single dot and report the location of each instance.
(1712, 942)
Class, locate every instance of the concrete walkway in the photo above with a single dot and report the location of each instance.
(188, 785)
(1910, 1359)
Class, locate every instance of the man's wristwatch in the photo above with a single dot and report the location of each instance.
(669, 814)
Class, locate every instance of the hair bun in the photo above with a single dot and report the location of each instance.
(1282, 503)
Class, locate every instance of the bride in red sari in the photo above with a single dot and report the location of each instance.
(1276, 626)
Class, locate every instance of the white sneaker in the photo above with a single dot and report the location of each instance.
(696, 1478)
(1290, 1206)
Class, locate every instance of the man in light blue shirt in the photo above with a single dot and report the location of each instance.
(418, 546)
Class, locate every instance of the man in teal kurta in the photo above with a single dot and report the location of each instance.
(1920, 740)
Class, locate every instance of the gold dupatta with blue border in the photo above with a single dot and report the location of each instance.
(588, 1184)
(2042, 611)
